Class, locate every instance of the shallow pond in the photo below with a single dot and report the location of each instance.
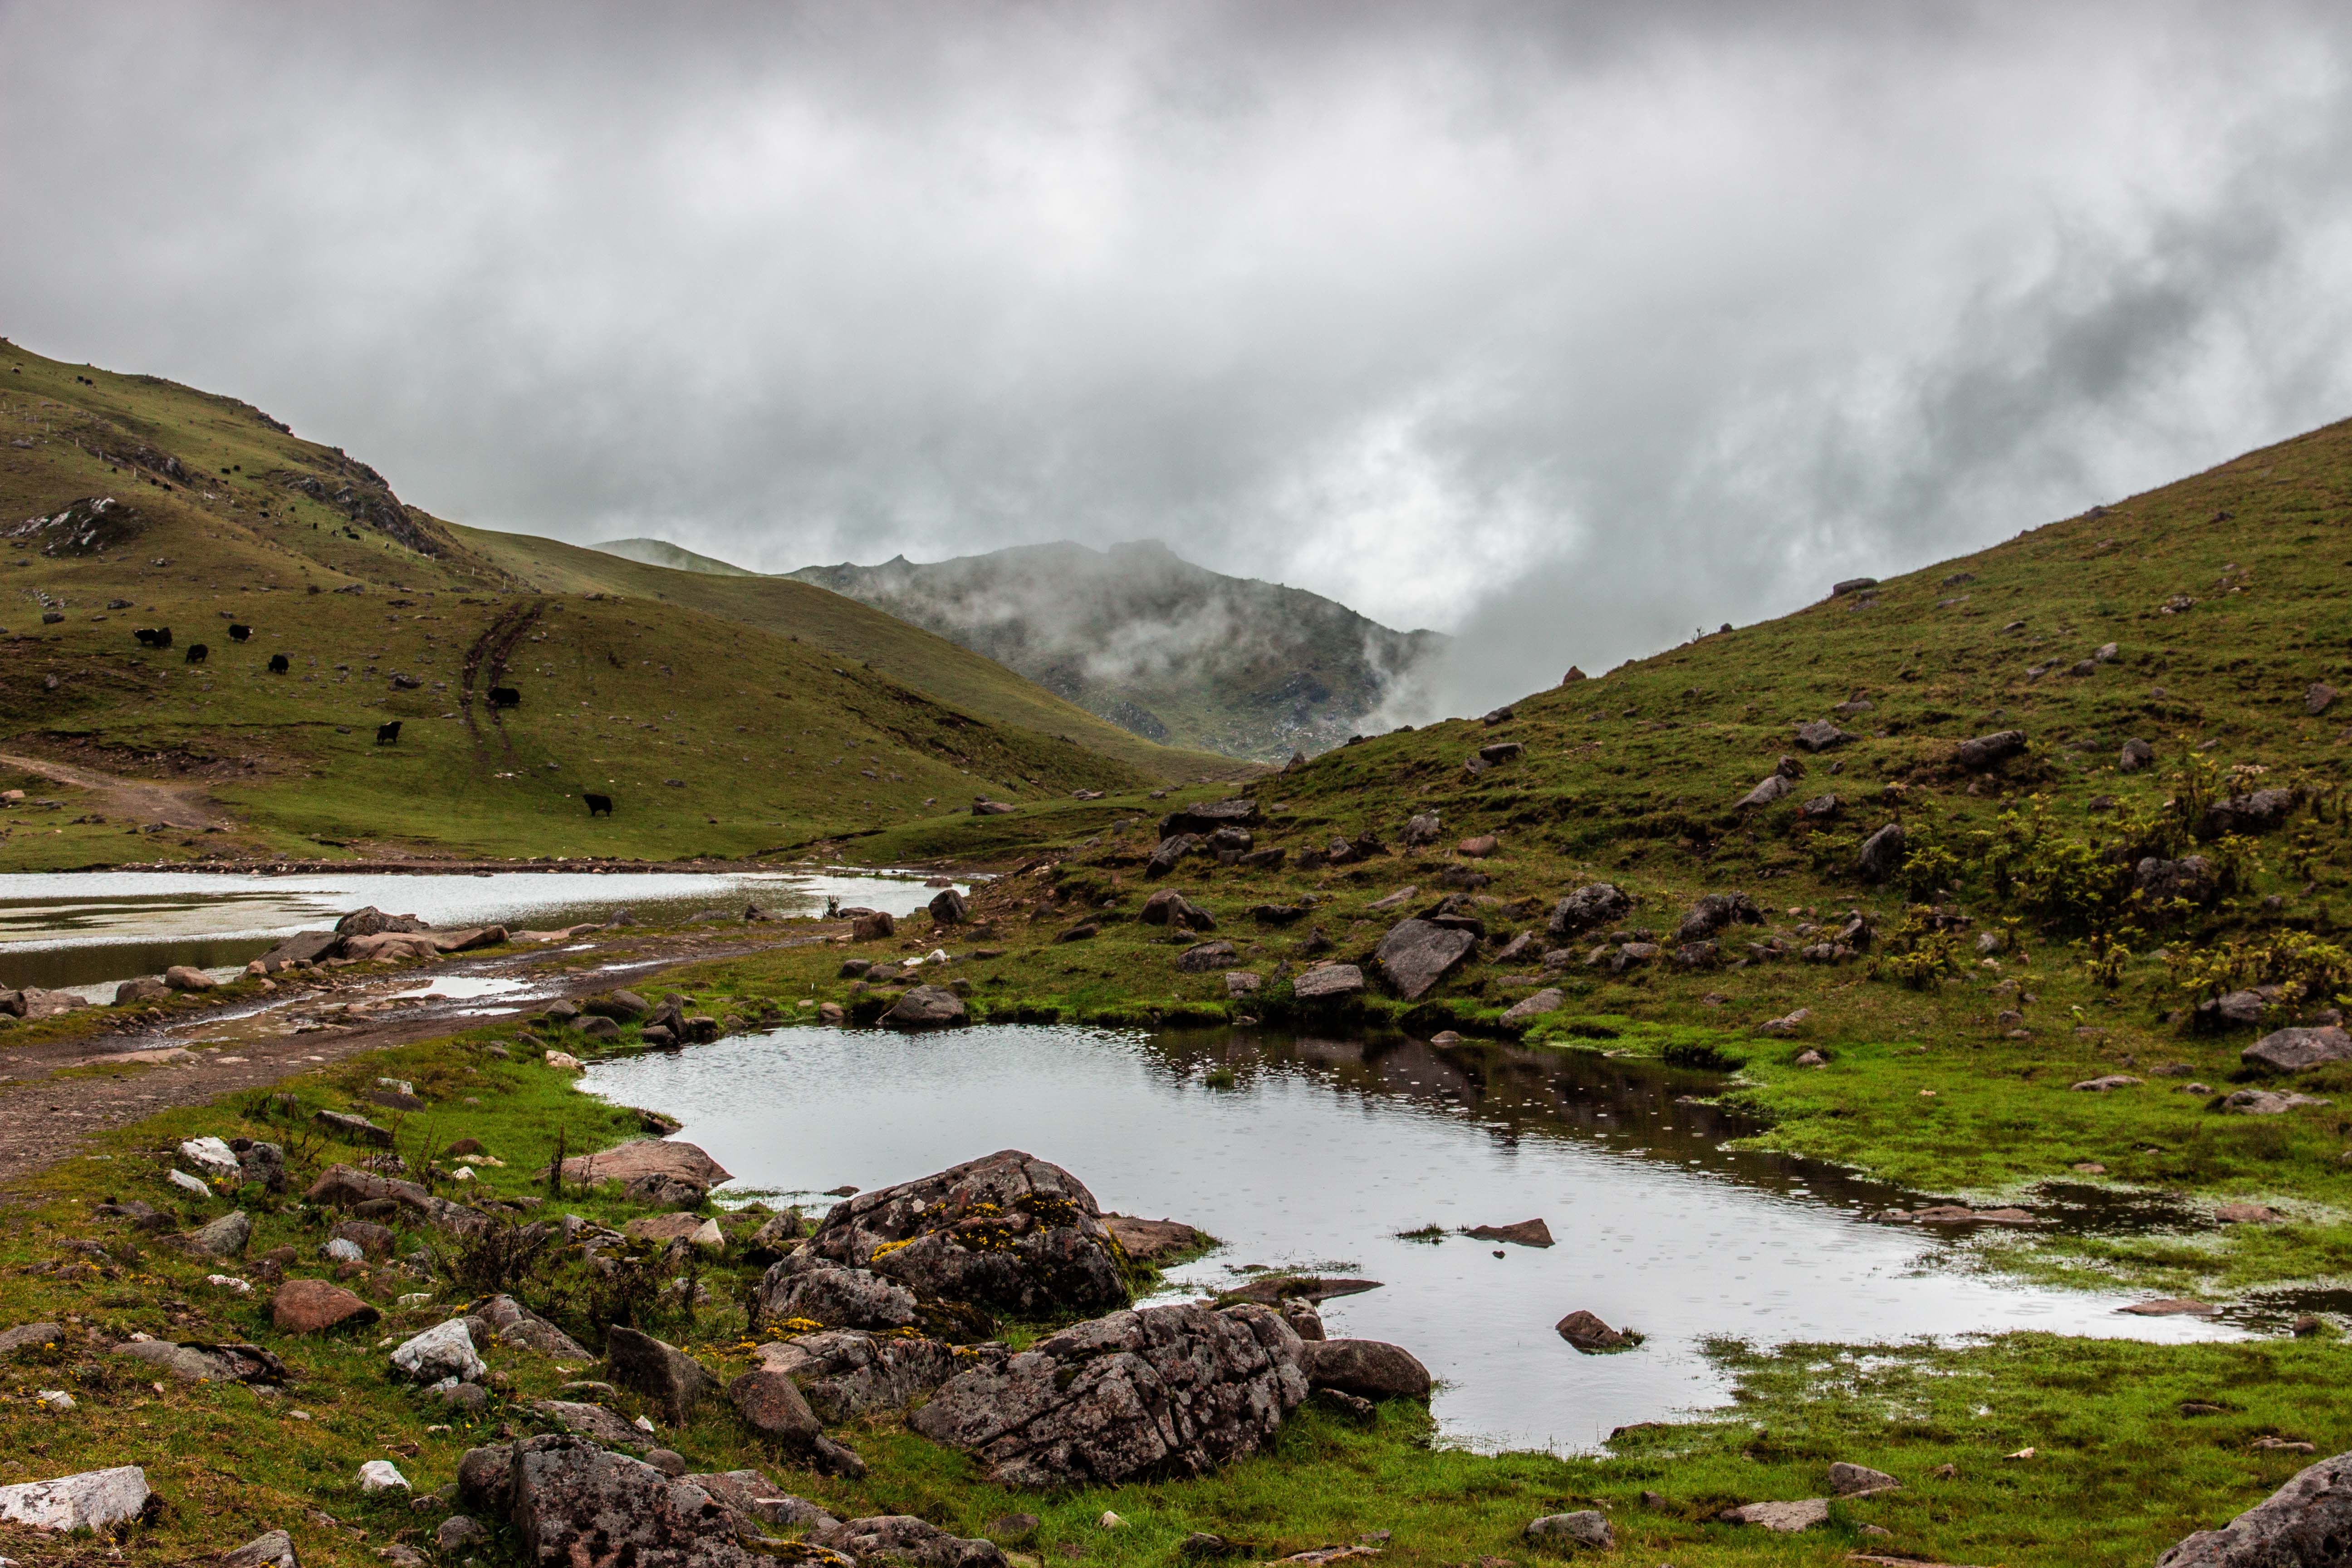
(1316, 1153)
(66, 928)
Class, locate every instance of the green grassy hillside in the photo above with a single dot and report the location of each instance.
(662, 552)
(955, 676)
(130, 502)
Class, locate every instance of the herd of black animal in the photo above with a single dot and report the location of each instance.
(386, 734)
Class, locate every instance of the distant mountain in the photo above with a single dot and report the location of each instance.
(1171, 651)
(677, 558)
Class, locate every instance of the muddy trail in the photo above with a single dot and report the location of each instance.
(249, 1043)
(486, 667)
(181, 806)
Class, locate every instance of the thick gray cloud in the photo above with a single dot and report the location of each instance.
(1569, 329)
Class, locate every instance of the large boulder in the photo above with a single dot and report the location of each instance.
(517, 1324)
(2295, 1050)
(903, 1538)
(949, 907)
(574, 1504)
(1008, 1233)
(1590, 906)
(93, 1499)
(1162, 1391)
(1369, 1369)
(1713, 911)
(803, 1288)
(660, 1371)
(1205, 817)
(372, 921)
(773, 1404)
(1328, 983)
(1882, 854)
(2304, 1524)
(1418, 953)
(844, 1373)
(444, 1349)
(2256, 813)
(925, 1007)
(2192, 876)
(646, 1157)
(314, 1306)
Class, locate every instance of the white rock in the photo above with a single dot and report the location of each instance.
(565, 1060)
(1109, 1521)
(187, 1182)
(342, 1249)
(444, 1349)
(381, 1476)
(397, 1085)
(230, 1282)
(56, 1398)
(211, 1156)
(416, 1299)
(641, 1424)
(90, 1501)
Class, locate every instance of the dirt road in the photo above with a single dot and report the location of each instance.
(141, 800)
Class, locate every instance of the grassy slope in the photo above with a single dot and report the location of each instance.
(1632, 778)
(954, 675)
(770, 735)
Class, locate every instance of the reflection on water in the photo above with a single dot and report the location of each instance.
(1307, 1152)
(78, 928)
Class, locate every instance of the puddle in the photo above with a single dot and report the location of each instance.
(71, 929)
(468, 988)
(1300, 1151)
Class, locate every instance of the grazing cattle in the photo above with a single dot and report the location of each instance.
(388, 734)
(278, 665)
(238, 633)
(196, 652)
(504, 697)
(599, 805)
(153, 637)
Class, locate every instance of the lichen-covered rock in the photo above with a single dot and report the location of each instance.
(2297, 1050)
(2304, 1524)
(646, 1157)
(517, 1324)
(803, 1287)
(1160, 1390)
(92, 1500)
(771, 1405)
(845, 1372)
(575, 1504)
(1009, 1234)
(1417, 953)
(903, 1538)
(658, 1370)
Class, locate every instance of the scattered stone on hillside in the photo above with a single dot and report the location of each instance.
(1159, 1391)
(1713, 911)
(1416, 954)
(1230, 844)
(903, 1538)
(2238, 1009)
(444, 1349)
(1404, 895)
(1328, 983)
(2266, 1102)
(1369, 1369)
(1083, 931)
(2299, 1049)
(1496, 716)
(273, 1549)
(1859, 1480)
(1150, 1241)
(686, 1226)
(1786, 1025)
(1479, 848)
(1882, 853)
(1172, 850)
(574, 1502)
(353, 1128)
(91, 1499)
(224, 1237)
(1202, 957)
(842, 1373)
(646, 1157)
(1986, 750)
(949, 907)
(1526, 1233)
(591, 1421)
(1589, 1334)
(1241, 983)
(373, 1240)
(2136, 754)
(2258, 811)
(802, 1287)
(1819, 736)
(1788, 1517)
(1167, 907)
(2107, 1082)
(660, 1371)
(2306, 1522)
(873, 926)
(29, 1336)
(2191, 877)
(1595, 904)
(1773, 787)
(753, 1497)
(2318, 697)
(2246, 1213)
(1586, 1527)
(314, 1306)
(991, 808)
(1851, 586)
(1423, 830)
(1205, 817)
(1521, 1013)
(1008, 1233)
(1573, 676)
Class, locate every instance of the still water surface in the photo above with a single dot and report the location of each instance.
(78, 927)
(1321, 1150)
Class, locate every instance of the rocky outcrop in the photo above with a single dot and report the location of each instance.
(1162, 1391)
(803, 1287)
(573, 1504)
(2258, 811)
(1590, 906)
(1418, 953)
(2304, 1524)
(903, 1538)
(1009, 1234)
(845, 1372)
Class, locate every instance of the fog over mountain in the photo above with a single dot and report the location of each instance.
(1566, 328)
(1158, 646)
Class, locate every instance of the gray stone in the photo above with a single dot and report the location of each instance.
(1369, 1369)
(1882, 853)
(91, 1499)
(1986, 750)
(2192, 878)
(591, 1421)
(902, 1538)
(1009, 1232)
(1156, 1392)
(2258, 811)
(772, 1404)
(274, 1549)
(29, 1336)
(803, 1287)
(1594, 904)
(444, 1349)
(459, 1533)
(1859, 1480)
(749, 1495)
(949, 908)
(1788, 1517)
(847, 1373)
(1204, 956)
(1773, 787)
(925, 1007)
(1821, 736)
(517, 1324)
(2297, 1050)
(1205, 817)
(1172, 850)
(1423, 830)
(2304, 1524)
(1521, 1013)
(1328, 983)
(658, 1370)
(353, 1128)
(2265, 1102)
(146, 988)
(2136, 754)
(2318, 697)
(224, 1237)
(1418, 953)
(1586, 1527)
(575, 1503)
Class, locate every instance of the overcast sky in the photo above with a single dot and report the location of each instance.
(1566, 328)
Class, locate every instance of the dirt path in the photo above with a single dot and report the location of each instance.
(45, 1119)
(181, 805)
